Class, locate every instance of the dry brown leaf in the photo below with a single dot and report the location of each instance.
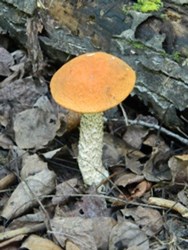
(156, 168)
(87, 234)
(132, 161)
(149, 219)
(183, 196)
(32, 164)
(183, 157)
(24, 196)
(5, 142)
(127, 235)
(6, 60)
(35, 127)
(51, 154)
(4, 70)
(65, 190)
(127, 179)
(135, 135)
(71, 246)
(114, 150)
(179, 168)
(11, 243)
(8, 234)
(140, 189)
(6, 57)
(34, 242)
(92, 206)
(89, 206)
(21, 94)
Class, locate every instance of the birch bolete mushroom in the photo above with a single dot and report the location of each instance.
(90, 84)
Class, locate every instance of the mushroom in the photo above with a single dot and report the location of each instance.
(90, 84)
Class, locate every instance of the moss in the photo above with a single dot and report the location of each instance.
(136, 44)
(176, 56)
(147, 5)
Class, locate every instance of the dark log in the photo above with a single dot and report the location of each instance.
(154, 44)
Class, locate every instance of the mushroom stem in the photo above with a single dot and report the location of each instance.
(90, 149)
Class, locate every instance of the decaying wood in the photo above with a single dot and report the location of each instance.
(154, 44)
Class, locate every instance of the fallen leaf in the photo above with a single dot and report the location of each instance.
(71, 246)
(140, 189)
(41, 120)
(178, 165)
(34, 242)
(4, 70)
(128, 235)
(27, 192)
(149, 219)
(87, 234)
(5, 141)
(6, 57)
(135, 135)
(127, 179)
(132, 161)
(183, 196)
(51, 154)
(21, 94)
(6, 60)
(31, 165)
(65, 190)
(11, 244)
(114, 150)
(156, 168)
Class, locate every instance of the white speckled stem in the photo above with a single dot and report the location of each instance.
(90, 149)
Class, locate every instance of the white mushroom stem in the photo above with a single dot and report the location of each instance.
(90, 149)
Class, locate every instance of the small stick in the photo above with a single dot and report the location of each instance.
(23, 230)
(176, 206)
(162, 130)
(7, 181)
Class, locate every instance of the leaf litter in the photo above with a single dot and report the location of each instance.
(44, 203)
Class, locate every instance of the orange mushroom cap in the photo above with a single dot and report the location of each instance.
(92, 82)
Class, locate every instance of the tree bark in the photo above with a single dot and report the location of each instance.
(155, 44)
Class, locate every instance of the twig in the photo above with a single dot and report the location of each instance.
(7, 181)
(23, 230)
(162, 130)
(176, 206)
